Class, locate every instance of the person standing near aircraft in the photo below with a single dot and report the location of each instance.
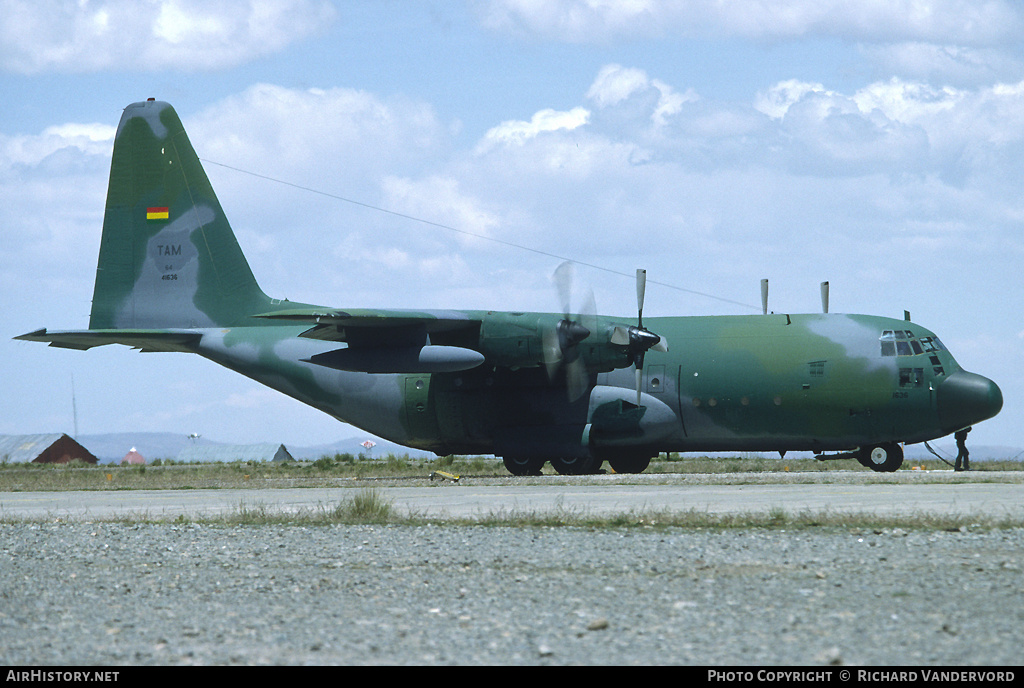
(963, 456)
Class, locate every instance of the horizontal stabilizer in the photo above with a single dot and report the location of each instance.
(427, 359)
(185, 341)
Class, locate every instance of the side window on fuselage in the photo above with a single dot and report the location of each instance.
(911, 377)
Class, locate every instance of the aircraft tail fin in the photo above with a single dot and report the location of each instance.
(168, 257)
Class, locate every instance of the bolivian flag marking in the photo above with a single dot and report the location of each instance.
(156, 213)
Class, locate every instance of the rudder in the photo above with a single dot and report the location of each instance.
(168, 257)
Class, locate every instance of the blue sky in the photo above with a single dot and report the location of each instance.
(877, 145)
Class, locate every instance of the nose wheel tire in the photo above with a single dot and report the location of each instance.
(884, 458)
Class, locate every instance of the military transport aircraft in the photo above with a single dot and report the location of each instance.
(576, 391)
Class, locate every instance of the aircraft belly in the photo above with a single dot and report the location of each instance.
(274, 356)
(486, 410)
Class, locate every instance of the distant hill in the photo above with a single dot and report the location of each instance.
(111, 448)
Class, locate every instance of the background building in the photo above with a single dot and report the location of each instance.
(50, 448)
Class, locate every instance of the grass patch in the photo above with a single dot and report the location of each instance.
(330, 471)
(775, 518)
(166, 474)
(365, 507)
(369, 506)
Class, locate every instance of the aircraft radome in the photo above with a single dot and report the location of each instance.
(528, 387)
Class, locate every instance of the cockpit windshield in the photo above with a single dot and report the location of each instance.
(904, 343)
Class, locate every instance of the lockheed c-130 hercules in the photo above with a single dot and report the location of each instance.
(575, 391)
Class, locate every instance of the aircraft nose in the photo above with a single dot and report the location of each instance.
(966, 398)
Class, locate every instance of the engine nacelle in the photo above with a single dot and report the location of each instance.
(523, 340)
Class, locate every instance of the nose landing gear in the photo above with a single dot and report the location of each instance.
(884, 458)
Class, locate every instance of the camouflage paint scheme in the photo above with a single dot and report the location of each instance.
(171, 277)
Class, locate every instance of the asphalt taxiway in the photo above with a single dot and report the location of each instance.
(990, 494)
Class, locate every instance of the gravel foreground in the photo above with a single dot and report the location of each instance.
(140, 594)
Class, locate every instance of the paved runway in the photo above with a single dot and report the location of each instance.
(599, 496)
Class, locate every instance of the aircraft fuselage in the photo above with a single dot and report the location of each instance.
(820, 382)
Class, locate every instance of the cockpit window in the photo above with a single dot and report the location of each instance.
(904, 343)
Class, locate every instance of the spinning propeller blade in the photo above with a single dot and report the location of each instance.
(561, 343)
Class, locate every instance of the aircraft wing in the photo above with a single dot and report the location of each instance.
(390, 341)
(375, 327)
(185, 341)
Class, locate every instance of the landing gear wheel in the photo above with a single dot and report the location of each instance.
(518, 465)
(576, 465)
(884, 458)
(630, 464)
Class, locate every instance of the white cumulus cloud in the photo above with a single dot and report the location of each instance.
(442, 201)
(343, 134)
(942, 21)
(39, 36)
(516, 132)
(615, 84)
(31, 149)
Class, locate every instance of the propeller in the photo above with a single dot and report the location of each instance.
(639, 339)
(561, 343)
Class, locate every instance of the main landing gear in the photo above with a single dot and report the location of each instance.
(574, 465)
(630, 464)
(571, 465)
(517, 465)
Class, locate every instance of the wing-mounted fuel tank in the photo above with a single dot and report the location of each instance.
(400, 359)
